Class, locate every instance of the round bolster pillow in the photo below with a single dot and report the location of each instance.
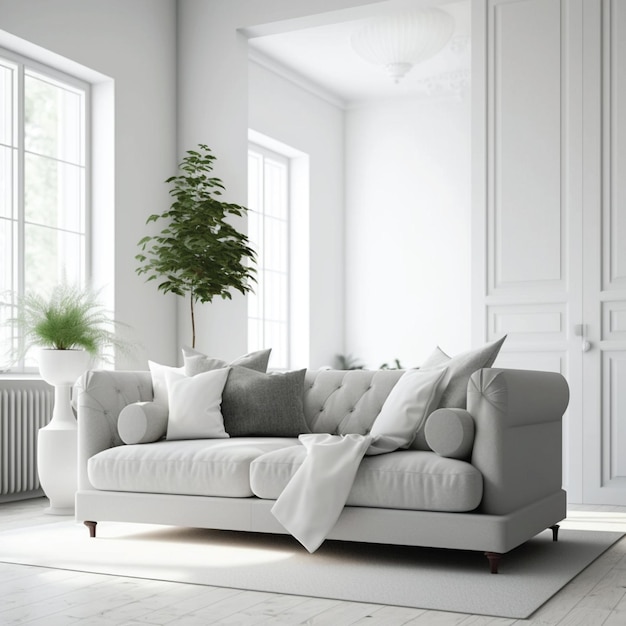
(450, 433)
(142, 422)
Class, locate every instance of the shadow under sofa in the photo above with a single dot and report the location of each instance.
(507, 491)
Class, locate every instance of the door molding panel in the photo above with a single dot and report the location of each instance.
(614, 145)
(541, 322)
(527, 212)
(613, 423)
(613, 320)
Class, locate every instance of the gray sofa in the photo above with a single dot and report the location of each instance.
(506, 490)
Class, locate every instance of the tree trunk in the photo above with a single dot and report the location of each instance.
(193, 324)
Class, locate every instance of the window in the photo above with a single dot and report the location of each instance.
(268, 231)
(43, 183)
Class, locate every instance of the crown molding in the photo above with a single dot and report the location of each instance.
(294, 77)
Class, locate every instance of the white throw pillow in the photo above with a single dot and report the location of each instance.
(195, 405)
(159, 383)
(142, 422)
(405, 410)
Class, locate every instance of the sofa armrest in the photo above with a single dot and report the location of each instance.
(101, 395)
(518, 441)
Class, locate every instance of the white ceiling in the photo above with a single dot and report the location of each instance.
(323, 57)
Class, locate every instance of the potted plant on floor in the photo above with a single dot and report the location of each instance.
(70, 328)
(198, 253)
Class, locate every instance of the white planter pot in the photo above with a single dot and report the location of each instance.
(56, 442)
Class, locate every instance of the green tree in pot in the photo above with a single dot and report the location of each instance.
(198, 253)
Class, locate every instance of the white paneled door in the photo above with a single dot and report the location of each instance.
(549, 198)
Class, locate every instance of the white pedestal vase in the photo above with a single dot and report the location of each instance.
(56, 442)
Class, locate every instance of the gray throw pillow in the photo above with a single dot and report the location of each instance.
(196, 362)
(450, 433)
(255, 404)
(460, 368)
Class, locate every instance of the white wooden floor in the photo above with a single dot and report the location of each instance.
(48, 597)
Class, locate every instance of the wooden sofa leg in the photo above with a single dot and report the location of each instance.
(494, 561)
(92, 528)
(555, 532)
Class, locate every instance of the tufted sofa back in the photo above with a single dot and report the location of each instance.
(341, 402)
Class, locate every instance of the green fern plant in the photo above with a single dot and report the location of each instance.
(396, 365)
(71, 318)
(348, 362)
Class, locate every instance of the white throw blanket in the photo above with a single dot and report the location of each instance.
(312, 501)
(314, 498)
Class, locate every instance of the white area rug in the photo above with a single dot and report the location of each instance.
(447, 580)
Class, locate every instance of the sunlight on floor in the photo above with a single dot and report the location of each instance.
(579, 518)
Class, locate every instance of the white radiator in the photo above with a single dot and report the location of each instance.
(25, 406)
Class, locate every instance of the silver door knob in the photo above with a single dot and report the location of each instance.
(586, 345)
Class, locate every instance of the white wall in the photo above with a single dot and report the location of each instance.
(213, 109)
(132, 45)
(407, 230)
(293, 116)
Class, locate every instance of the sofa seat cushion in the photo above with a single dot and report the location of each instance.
(205, 467)
(405, 479)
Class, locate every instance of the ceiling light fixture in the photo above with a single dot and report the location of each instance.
(401, 40)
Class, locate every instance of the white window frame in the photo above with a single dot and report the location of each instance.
(279, 359)
(22, 65)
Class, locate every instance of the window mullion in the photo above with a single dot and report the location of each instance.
(289, 261)
(263, 251)
(19, 256)
(18, 259)
(86, 190)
